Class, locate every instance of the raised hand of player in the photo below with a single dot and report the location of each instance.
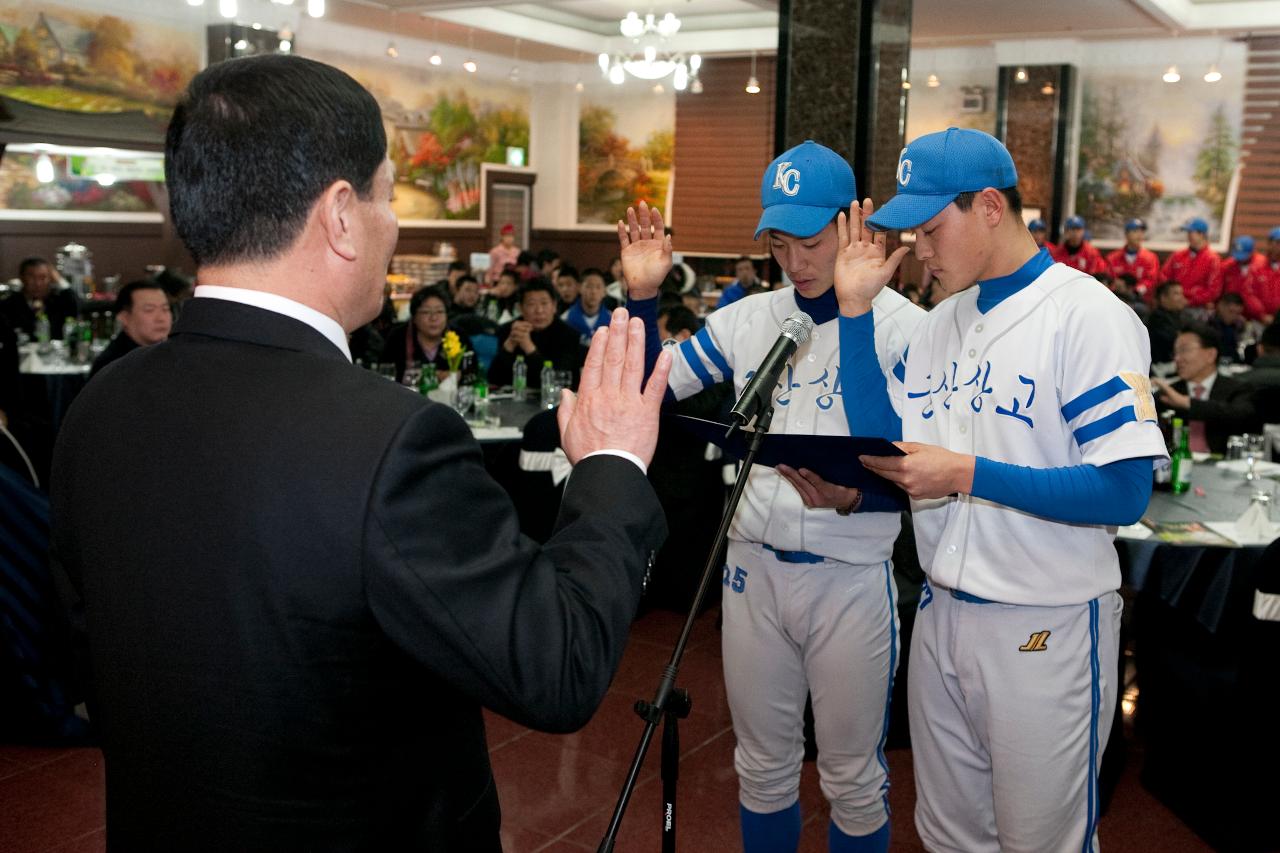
(817, 492)
(862, 270)
(645, 251)
(927, 471)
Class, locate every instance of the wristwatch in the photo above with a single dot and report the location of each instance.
(852, 506)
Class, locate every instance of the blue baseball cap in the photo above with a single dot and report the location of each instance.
(1242, 248)
(1196, 224)
(1135, 225)
(804, 189)
(1037, 225)
(1074, 222)
(1275, 234)
(936, 168)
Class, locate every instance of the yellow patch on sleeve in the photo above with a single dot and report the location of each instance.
(1144, 404)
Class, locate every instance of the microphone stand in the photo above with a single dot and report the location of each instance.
(670, 703)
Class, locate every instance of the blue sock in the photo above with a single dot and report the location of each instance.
(777, 832)
(876, 842)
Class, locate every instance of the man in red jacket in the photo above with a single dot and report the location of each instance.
(1134, 259)
(1195, 267)
(1039, 231)
(1076, 251)
(1261, 286)
(1235, 269)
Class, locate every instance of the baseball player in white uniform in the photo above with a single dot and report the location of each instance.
(809, 599)
(1030, 431)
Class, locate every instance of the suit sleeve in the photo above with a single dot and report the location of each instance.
(535, 633)
(1232, 409)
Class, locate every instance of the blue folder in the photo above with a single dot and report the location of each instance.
(834, 458)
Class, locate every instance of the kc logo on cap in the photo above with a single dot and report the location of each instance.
(936, 168)
(804, 189)
(786, 178)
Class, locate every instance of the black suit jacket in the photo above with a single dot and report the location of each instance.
(58, 306)
(1228, 411)
(306, 588)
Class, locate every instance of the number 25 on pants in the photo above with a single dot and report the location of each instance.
(739, 580)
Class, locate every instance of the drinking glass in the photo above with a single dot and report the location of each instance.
(554, 381)
(386, 370)
(412, 376)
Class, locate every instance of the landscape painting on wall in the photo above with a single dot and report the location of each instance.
(626, 154)
(441, 126)
(1156, 151)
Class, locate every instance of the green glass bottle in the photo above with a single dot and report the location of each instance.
(1181, 462)
(428, 381)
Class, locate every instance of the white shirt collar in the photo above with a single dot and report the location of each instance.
(322, 323)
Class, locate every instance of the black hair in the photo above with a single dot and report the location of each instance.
(422, 294)
(593, 271)
(28, 263)
(538, 285)
(565, 269)
(1128, 278)
(1231, 299)
(678, 318)
(1209, 337)
(525, 258)
(546, 256)
(459, 265)
(124, 297)
(254, 142)
(1104, 277)
(1165, 286)
(751, 261)
(463, 279)
(1013, 200)
(1270, 338)
(511, 271)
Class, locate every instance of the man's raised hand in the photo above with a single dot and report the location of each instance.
(645, 250)
(862, 270)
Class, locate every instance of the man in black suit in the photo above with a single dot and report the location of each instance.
(38, 294)
(308, 587)
(1213, 406)
(1168, 318)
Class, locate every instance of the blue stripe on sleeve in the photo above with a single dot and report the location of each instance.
(1102, 426)
(1094, 396)
(709, 347)
(865, 393)
(1116, 493)
(694, 361)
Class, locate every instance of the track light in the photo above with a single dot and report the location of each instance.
(1213, 75)
(1171, 75)
(1021, 76)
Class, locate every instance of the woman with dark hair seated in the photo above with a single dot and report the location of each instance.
(418, 342)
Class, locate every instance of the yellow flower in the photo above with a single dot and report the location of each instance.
(452, 346)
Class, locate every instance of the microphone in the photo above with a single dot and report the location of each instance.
(758, 394)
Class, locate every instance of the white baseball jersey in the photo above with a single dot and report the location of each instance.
(1054, 375)
(807, 401)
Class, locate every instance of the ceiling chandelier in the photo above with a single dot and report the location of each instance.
(649, 56)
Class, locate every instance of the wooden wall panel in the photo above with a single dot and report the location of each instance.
(724, 142)
(1257, 208)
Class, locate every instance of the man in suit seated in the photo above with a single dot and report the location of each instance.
(1168, 318)
(38, 294)
(1263, 380)
(145, 316)
(299, 662)
(1213, 406)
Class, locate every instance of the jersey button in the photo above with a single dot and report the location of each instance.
(963, 429)
(951, 549)
(972, 353)
(812, 357)
(978, 328)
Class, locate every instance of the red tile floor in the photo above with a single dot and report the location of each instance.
(558, 791)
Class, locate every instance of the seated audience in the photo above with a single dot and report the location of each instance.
(526, 266)
(417, 343)
(1168, 318)
(617, 288)
(567, 288)
(539, 335)
(1213, 406)
(1136, 261)
(1263, 379)
(464, 313)
(145, 316)
(38, 294)
(1123, 287)
(1261, 288)
(502, 303)
(677, 323)
(745, 270)
(1228, 321)
(589, 311)
(549, 264)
